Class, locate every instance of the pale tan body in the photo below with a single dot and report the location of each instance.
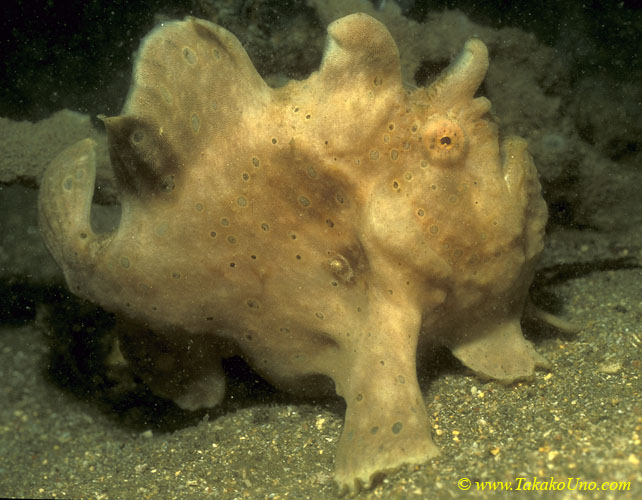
(330, 227)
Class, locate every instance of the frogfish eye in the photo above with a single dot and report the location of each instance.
(444, 139)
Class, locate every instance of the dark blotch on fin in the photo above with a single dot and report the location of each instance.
(143, 160)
